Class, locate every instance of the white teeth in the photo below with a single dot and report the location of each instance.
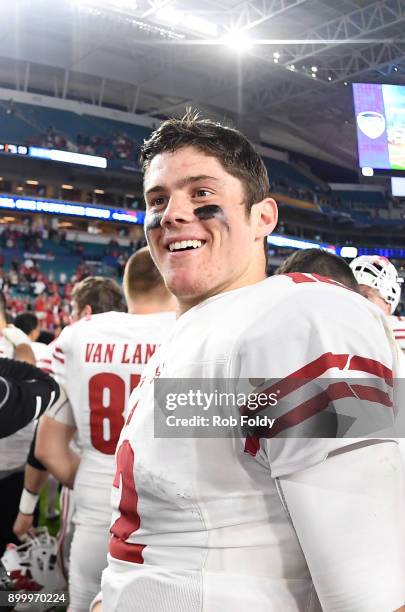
(176, 246)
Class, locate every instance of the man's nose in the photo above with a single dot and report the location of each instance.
(179, 210)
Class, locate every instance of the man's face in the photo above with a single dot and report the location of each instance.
(191, 197)
(372, 294)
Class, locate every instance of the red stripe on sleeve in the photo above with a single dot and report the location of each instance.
(315, 405)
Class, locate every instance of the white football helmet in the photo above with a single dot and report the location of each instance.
(380, 274)
(33, 568)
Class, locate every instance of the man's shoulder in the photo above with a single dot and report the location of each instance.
(303, 302)
(303, 294)
(91, 323)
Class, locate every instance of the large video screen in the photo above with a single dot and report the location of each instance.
(380, 120)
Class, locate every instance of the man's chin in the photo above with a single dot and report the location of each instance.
(187, 290)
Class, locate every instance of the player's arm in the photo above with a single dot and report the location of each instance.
(348, 515)
(54, 451)
(34, 480)
(35, 476)
(57, 428)
(97, 603)
(52, 447)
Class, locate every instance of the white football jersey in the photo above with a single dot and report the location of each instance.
(99, 361)
(42, 354)
(14, 449)
(398, 327)
(198, 523)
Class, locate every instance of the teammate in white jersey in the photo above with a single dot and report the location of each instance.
(93, 295)
(207, 524)
(99, 361)
(380, 283)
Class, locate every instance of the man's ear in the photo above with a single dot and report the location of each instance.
(267, 217)
(87, 311)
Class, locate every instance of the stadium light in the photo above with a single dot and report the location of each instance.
(276, 55)
(348, 251)
(238, 41)
(314, 69)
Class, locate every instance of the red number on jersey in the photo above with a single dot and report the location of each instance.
(111, 413)
(129, 520)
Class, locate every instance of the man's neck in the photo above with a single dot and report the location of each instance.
(145, 307)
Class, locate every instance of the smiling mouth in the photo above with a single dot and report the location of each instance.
(185, 245)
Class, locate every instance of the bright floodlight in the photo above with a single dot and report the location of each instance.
(238, 41)
(348, 251)
(276, 55)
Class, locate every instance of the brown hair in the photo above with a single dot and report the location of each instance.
(234, 152)
(102, 294)
(318, 261)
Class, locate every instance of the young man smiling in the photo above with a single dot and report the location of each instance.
(261, 523)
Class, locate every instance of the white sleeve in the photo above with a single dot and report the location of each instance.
(62, 410)
(58, 358)
(327, 355)
(349, 516)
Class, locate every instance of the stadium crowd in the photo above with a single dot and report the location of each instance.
(26, 286)
(119, 146)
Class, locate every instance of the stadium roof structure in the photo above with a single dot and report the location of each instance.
(280, 69)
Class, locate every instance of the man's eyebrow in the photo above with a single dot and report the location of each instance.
(183, 182)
